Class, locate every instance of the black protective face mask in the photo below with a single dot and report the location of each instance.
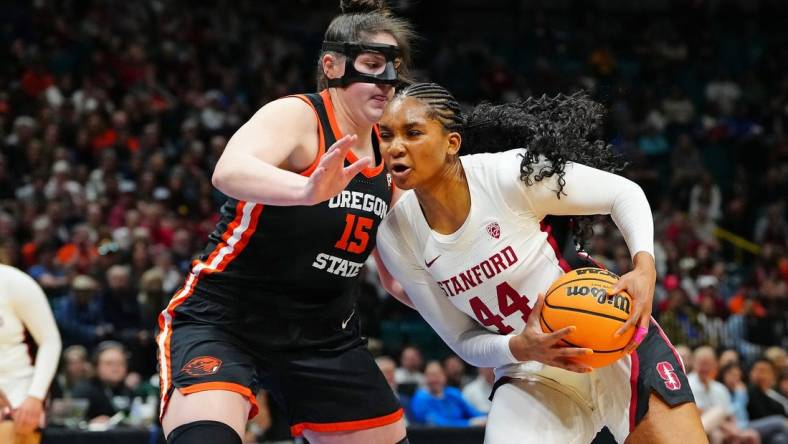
(366, 63)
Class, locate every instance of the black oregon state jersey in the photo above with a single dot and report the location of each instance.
(299, 261)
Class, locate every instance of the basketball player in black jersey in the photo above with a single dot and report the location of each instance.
(271, 302)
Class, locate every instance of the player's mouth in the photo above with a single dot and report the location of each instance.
(380, 99)
(400, 171)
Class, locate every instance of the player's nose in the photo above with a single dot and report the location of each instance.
(396, 148)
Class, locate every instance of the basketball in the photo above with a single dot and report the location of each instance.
(581, 298)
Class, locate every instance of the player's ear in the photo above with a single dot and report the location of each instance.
(333, 65)
(453, 143)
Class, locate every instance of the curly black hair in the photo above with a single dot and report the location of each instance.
(556, 129)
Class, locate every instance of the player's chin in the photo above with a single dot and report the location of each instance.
(374, 109)
(403, 184)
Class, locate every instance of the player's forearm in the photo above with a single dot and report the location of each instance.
(482, 348)
(250, 179)
(644, 261)
(632, 215)
(47, 359)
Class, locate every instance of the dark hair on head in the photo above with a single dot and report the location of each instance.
(108, 345)
(553, 131)
(765, 361)
(727, 368)
(361, 19)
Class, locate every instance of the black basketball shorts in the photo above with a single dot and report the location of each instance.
(320, 388)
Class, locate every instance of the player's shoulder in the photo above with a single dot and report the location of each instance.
(9, 272)
(288, 111)
(491, 162)
(13, 275)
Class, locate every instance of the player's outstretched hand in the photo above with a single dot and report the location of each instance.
(639, 283)
(535, 345)
(331, 175)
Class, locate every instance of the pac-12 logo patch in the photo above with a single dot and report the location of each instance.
(494, 230)
(667, 373)
(202, 366)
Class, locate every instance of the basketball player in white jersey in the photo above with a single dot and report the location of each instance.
(23, 386)
(470, 249)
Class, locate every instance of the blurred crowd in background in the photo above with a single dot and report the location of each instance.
(113, 114)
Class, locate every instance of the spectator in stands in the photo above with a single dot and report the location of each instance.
(107, 392)
(80, 253)
(714, 401)
(456, 376)
(409, 371)
(764, 400)
(49, 275)
(729, 356)
(778, 357)
(731, 376)
(478, 391)
(120, 303)
(75, 369)
(686, 357)
(441, 405)
(80, 314)
(771, 429)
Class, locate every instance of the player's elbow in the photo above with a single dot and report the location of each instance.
(218, 178)
(56, 340)
(221, 176)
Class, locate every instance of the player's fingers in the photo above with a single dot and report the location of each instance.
(343, 144)
(533, 318)
(640, 333)
(568, 352)
(634, 317)
(625, 283)
(358, 166)
(572, 366)
(552, 338)
(24, 422)
(331, 160)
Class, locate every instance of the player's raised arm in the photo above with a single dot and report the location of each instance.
(588, 191)
(262, 160)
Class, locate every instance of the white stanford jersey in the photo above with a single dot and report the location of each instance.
(485, 277)
(24, 305)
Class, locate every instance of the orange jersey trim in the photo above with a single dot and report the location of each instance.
(227, 386)
(229, 251)
(321, 148)
(362, 424)
(351, 157)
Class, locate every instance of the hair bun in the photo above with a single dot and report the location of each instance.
(362, 6)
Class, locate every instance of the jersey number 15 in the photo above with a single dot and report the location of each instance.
(360, 234)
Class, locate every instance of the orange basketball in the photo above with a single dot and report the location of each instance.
(581, 298)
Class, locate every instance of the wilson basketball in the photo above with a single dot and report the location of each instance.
(582, 298)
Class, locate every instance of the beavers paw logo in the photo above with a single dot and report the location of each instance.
(202, 366)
